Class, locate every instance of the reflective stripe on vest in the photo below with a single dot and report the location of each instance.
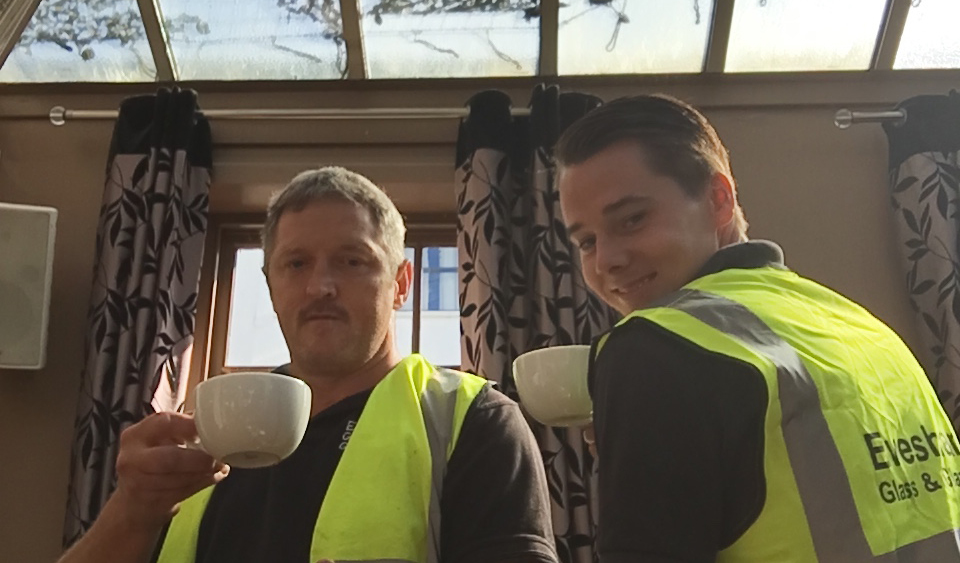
(827, 498)
(444, 397)
(394, 443)
(438, 402)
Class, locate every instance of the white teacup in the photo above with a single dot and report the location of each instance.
(251, 419)
(552, 383)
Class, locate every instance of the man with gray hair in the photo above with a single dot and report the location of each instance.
(370, 481)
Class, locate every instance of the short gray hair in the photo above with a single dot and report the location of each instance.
(332, 182)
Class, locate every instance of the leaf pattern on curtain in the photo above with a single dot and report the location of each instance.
(149, 246)
(521, 286)
(925, 195)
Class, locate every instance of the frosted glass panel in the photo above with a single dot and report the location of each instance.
(930, 38)
(633, 37)
(803, 35)
(439, 308)
(253, 334)
(450, 38)
(255, 39)
(440, 337)
(82, 41)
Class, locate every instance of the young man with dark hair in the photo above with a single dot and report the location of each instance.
(742, 412)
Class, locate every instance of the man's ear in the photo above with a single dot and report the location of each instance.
(404, 284)
(723, 200)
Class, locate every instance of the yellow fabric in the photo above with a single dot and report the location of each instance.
(871, 391)
(382, 482)
(180, 543)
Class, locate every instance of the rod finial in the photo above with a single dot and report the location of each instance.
(843, 119)
(58, 115)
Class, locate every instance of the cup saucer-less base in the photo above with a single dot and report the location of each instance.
(250, 460)
(574, 420)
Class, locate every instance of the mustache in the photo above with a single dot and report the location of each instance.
(322, 308)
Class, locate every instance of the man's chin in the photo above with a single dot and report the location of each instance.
(327, 353)
(322, 363)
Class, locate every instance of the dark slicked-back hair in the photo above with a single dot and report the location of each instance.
(676, 139)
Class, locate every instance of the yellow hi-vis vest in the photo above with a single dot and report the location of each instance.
(383, 503)
(860, 460)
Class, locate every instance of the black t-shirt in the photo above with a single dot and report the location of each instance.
(680, 438)
(494, 504)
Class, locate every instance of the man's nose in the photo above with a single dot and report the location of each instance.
(322, 282)
(611, 256)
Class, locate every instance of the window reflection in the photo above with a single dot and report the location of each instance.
(82, 40)
(450, 38)
(255, 39)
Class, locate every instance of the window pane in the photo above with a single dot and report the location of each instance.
(803, 35)
(253, 336)
(439, 290)
(636, 36)
(255, 39)
(930, 38)
(440, 337)
(452, 38)
(440, 306)
(82, 41)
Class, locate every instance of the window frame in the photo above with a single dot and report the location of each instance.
(421, 234)
(228, 233)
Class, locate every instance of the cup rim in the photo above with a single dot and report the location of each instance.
(258, 374)
(538, 351)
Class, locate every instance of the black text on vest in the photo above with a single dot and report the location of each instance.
(908, 450)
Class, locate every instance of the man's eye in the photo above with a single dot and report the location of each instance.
(586, 244)
(634, 220)
(295, 264)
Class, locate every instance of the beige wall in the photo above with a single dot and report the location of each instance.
(817, 190)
